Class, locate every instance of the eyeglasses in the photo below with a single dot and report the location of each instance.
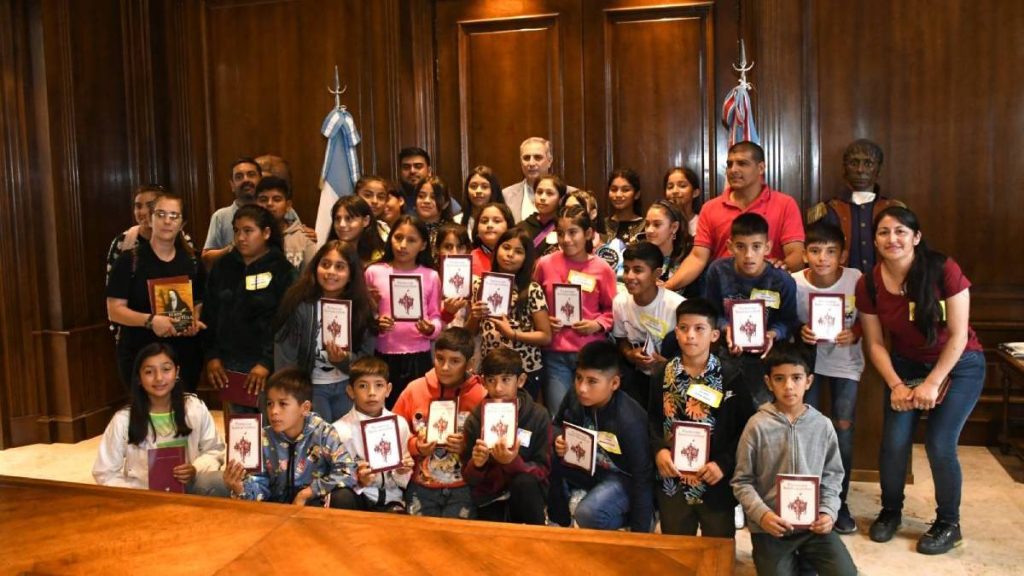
(165, 215)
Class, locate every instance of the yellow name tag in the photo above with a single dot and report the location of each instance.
(772, 299)
(705, 394)
(942, 307)
(258, 281)
(609, 442)
(583, 280)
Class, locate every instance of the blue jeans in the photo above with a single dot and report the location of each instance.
(944, 425)
(844, 406)
(561, 368)
(330, 400)
(606, 505)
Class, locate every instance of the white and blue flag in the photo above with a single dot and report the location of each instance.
(341, 167)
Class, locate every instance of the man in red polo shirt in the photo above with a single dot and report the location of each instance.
(747, 192)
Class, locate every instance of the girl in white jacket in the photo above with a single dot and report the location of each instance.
(161, 414)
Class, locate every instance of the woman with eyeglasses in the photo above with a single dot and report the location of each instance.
(167, 260)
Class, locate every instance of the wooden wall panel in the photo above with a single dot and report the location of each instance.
(649, 91)
(508, 71)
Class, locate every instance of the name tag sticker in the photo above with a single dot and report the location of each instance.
(524, 437)
(585, 281)
(258, 281)
(705, 394)
(609, 442)
(772, 299)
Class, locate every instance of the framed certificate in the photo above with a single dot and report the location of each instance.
(580, 448)
(825, 315)
(236, 392)
(245, 440)
(797, 498)
(406, 297)
(381, 443)
(691, 443)
(442, 420)
(496, 291)
(568, 304)
(172, 297)
(162, 462)
(336, 322)
(747, 318)
(456, 276)
(498, 422)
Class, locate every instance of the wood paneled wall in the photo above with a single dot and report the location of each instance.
(97, 97)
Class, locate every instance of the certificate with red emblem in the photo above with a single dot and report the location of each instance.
(336, 322)
(381, 443)
(797, 499)
(406, 297)
(568, 305)
(442, 420)
(496, 291)
(580, 447)
(456, 276)
(747, 319)
(245, 440)
(825, 315)
(498, 423)
(691, 443)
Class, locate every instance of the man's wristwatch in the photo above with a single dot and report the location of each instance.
(149, 322)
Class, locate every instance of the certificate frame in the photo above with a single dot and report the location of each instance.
(822, 309)
(162, 462)
(499, 421)
(243, 438)
(496, 291)
(691, 445)
(748, 319)
(456, 276)
(568, 303)
(582, 444)
(406, 297)
(336, 322)
(382, 443)
(236, 393)
(795, 496)
(442, 420)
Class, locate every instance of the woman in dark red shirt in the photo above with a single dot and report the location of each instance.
(922, 299)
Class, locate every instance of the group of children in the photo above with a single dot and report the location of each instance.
(634, 364)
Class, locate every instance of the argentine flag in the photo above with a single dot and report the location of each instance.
(341, 167)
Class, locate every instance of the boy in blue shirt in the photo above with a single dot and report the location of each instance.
(747, 275)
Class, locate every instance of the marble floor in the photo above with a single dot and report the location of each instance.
(992, 512)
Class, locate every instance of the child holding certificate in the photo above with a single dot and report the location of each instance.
(527, 327)
(644, 316)
(304, 461)
(618, 492)
(368, 386)
(574, 265)
(438, 487)
(697, 388)
(493, 220)
(747, 275)
(788, 475)
(305, 340)
(453, 240)
(522, 470)
(410, 315)
(825, 307)
(161, 415)
(245, 288)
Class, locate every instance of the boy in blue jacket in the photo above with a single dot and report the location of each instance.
(304, 460)
(620, 493)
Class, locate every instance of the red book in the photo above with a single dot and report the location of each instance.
(162, 462)
(236, 392)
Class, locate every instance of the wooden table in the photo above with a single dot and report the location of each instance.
(1012, 372)
(57, 527)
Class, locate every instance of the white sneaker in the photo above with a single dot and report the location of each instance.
(738, 520)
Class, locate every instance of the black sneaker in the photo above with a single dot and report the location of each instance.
(940, 538)
(885, 526)
(845, 523)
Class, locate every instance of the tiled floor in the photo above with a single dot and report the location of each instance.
(992, 510)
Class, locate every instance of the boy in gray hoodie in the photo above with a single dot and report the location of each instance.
(787, 436)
